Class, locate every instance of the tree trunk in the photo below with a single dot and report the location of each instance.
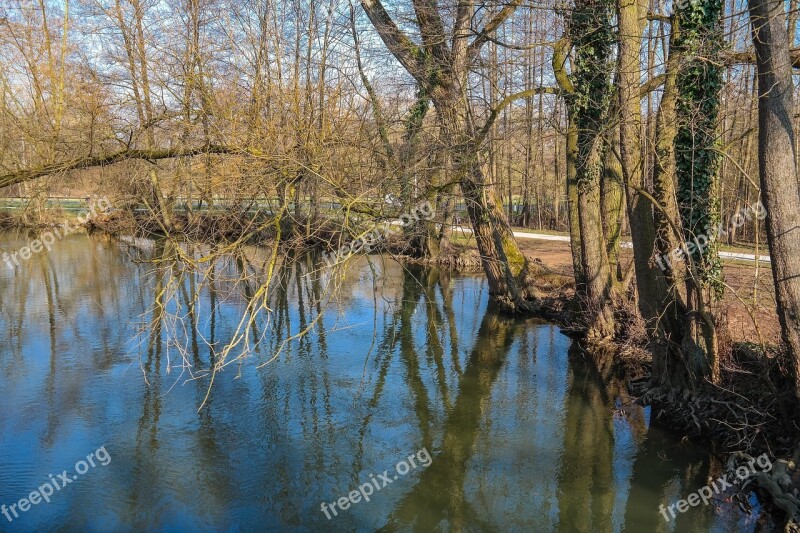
(592, 36)
(505, 265)
(596, 268)
(669, 367)
(697, 158)
(572, 205)
(650, 290)
(612, 195)
(778, 167)
(571, 151)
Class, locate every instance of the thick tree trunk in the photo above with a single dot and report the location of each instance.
(503, 262)
(599, 283)
(592, 36)
(664, 186)
(670, 370)
(651, 290)
(613, 195)
(571, 151)
(777, 165)
(572, 205)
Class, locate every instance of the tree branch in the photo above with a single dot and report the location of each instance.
(87, 162)
(431, 29)
(491, 27)
(560, 54)
(659, 17)
(520, 47)
(505, 102)
(749, 56)
(399, 44)
(652, 84)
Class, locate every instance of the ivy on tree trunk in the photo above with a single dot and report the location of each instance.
(697, 159)
(593, 39)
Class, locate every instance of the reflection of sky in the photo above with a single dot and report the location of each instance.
(358, 394)
(624, 455)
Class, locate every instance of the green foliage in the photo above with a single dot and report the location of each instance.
(416, 114)
(699, 82)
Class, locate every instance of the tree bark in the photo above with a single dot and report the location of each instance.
(669, 367)
(650, 289)
(613, 198)
(592, 36)
(778, 167)
(571, 151)
(697, 157)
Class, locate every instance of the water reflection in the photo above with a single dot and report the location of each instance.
(104, 348)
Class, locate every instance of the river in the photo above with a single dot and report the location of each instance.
(401, 386)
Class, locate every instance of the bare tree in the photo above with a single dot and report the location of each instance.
(441, 65)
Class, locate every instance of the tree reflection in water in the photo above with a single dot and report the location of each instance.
(368, 365)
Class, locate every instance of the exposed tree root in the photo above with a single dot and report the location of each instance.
(774, 484)
(748, 413)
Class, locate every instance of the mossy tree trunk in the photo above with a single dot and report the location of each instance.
(592, 37)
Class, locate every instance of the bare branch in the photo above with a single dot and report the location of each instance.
(508, 100)
(560, 54)
(491, 26)
(521, 47)
(652, 84)
(87, 162)
(659, 17)
(398, 43)
(749, 56)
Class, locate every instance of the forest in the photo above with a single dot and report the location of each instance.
(655, 139)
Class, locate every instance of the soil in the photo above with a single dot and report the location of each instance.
(747, 322)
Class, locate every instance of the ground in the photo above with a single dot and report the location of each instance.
(745, 321)
(747, 283)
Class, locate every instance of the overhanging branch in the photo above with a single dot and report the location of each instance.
(505, 102)
(749, 56)
(491, 27)
(88, 162)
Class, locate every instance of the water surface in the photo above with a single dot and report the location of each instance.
(104, 350)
